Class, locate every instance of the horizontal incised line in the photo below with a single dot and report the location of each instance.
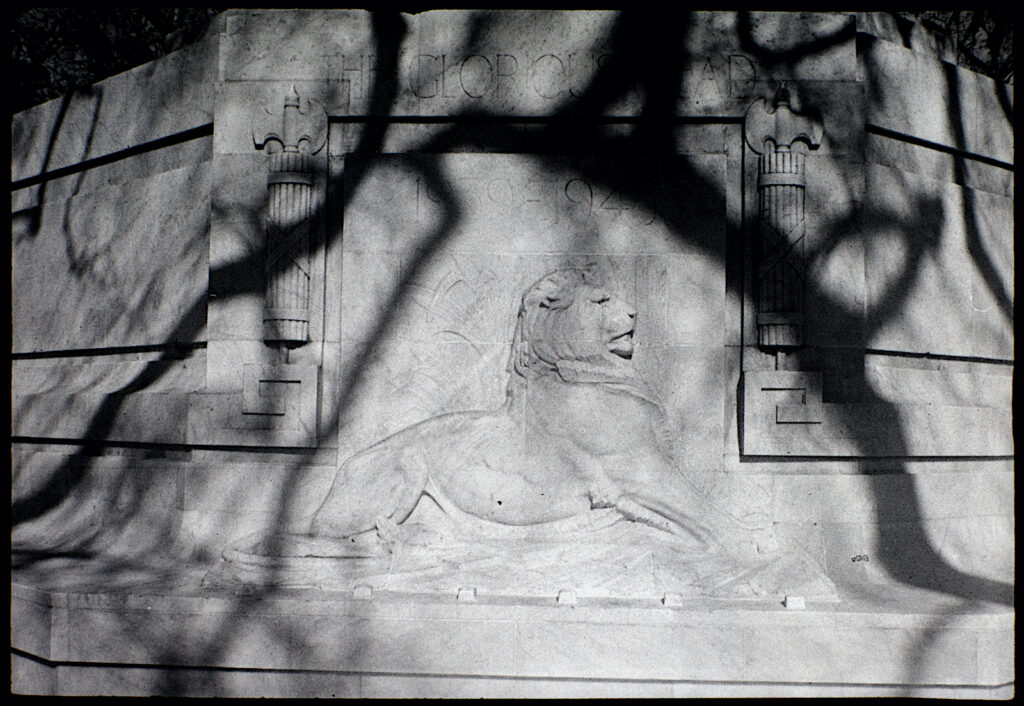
(530, 119)
(938, 147)
(177, 348)
(168, 141)
(939, 356)
(160, 445)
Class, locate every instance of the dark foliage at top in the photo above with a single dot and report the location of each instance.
(982, 39)
(57, 50)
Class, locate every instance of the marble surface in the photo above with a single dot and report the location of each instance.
(137, 284)
(621, 560)
(904, 640)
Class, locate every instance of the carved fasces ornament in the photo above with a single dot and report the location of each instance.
(291, 137)
(782, 138)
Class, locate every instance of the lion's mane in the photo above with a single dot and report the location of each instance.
(544, 344)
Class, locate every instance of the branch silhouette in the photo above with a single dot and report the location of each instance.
(647, 57)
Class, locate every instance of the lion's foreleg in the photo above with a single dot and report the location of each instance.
(415, 472)
(715, 527)
(633, 510)
(604, 493)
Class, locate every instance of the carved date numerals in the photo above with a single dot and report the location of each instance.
(577, 197)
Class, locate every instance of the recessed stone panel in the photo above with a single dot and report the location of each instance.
(535, 63)
(445, 246)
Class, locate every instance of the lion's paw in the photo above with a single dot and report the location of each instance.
(767, 544)
(387, 530)
(603, 495)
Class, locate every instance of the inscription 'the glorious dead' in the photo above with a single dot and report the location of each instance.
(550, 76)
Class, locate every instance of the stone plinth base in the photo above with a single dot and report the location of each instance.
(184, 639)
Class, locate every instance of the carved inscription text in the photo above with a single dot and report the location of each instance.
(496, 74)
(578, 197)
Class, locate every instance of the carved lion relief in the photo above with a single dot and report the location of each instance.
(571, 483)
(579, 431)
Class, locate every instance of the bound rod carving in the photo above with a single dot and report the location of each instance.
(290, 186)
(286, 297)
(782, 139)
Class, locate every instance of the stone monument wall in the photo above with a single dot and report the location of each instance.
(110, 201)
(239, 265)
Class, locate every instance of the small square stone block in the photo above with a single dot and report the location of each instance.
(466, 594)
(795, 603)
(566, 597)
(672, 600)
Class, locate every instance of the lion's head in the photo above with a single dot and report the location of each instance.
(571, 318)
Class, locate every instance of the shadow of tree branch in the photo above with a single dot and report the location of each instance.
(647, 56)
(984, 264)
(787, 57)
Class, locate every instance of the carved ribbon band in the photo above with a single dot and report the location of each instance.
(290, 178)
(781, 179)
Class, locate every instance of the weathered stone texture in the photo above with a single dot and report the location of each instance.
(466, 155)
(913, 94)
(938, 266)
(120, 266)
(162, 98)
